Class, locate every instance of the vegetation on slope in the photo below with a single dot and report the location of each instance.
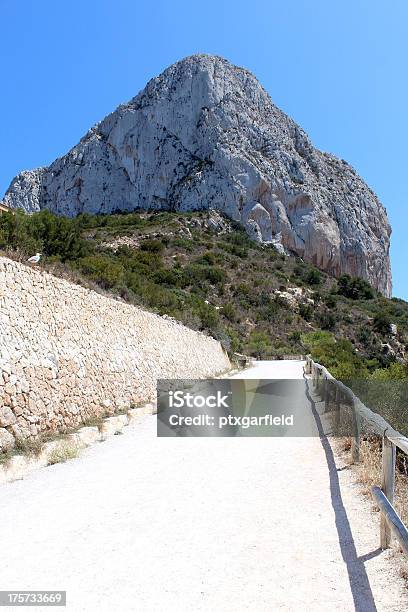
(213, 277)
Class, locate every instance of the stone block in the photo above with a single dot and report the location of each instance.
(7, 441)
(7, 416)
(112, 425)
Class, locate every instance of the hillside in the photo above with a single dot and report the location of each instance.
(204, 135)
(204, 270)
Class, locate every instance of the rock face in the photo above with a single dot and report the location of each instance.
(205, 134)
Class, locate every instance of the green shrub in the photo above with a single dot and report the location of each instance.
(196, 273)
(396, 371)
(210, 318)
(313, 277)
(208, 258)
(234, 249)
(311, 339)
(150, 294)
(240, 238)
(45, 232)
(183, 243)
(325, 320)
(152, 245)
(306, 311)
(271, 311)
(229, 312)
(339, 356)
(103, 270)
(173, 277)
(330, 300)
(382, 323)
(242, 291)
(354, 288)
(259, 344)
(295, 337)
(62, 453)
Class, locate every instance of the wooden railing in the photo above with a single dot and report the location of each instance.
(332, 390)
(284, 357)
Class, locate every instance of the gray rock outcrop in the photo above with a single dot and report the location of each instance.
(205, 134)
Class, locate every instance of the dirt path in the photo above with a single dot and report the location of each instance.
(148, 524)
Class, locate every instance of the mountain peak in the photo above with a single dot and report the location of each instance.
(205, 134)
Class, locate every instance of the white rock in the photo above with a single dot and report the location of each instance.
(205, 134)
(87, 435)
(113, 425)
(6, 440)
(7, 416)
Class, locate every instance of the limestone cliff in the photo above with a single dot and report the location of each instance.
(205, 134)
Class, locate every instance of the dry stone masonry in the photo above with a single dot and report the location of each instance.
(68, 354)
(205, 134)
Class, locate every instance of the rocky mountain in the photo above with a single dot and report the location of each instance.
(205, 134)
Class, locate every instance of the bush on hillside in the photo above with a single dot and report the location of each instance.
(396, 371)
(196, 273)
(229, 312)
(354, 288)
(152, 245)
(306, 311)
(259, 344)
(102, 270)
(313, 277)
(382, 323)
(43, 232)
(325, 319)
(339, 356)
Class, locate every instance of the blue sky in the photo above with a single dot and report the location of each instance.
(338, 68)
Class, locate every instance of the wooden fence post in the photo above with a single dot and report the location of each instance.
(328, 394)
(387, 486)
(338, 406)
(355, 442)
(320, 382)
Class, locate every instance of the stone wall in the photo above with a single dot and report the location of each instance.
(68, 354)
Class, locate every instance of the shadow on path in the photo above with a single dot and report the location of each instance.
(357, 575)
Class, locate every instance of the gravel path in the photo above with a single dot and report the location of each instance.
(141, 523)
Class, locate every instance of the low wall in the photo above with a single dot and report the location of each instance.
(68, 354)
